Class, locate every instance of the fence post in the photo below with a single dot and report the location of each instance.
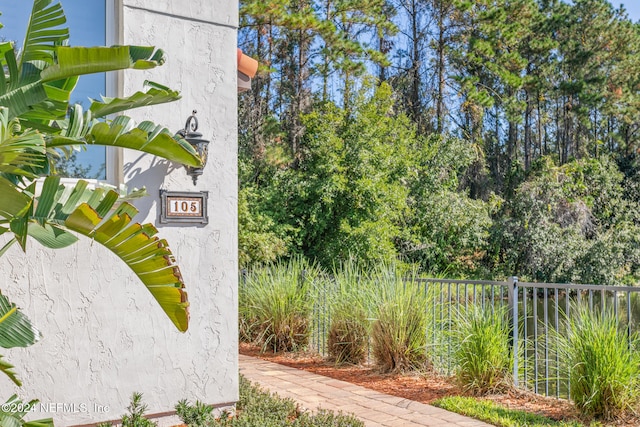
(513, 307)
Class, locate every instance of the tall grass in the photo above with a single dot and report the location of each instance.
(604, 364)
(275, 305)
(350, 311)
(482, 353)
(398, 331)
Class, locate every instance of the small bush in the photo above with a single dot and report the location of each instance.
(398, 340)
(275, 307)
(605, 365)
(135, 417)
(198, 415)
(482, 349)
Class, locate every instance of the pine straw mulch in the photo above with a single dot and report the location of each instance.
(421, 387)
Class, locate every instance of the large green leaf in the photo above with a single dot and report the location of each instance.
(93, 213)
(146, 137)
(75, 61)
(16, 329)
(43, 32)
(7, 369)
(20, 153)
(14, 202)
(157, 94)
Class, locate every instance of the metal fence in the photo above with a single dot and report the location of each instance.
(538, 312)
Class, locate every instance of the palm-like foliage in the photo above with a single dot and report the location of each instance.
(34, 101)
(37, 121)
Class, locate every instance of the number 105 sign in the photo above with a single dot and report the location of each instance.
(183, 207)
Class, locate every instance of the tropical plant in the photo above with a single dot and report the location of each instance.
(38, 124)
(482, 353)
(16, 330)
(34, 100)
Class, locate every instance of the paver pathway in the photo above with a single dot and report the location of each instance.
(376, 409)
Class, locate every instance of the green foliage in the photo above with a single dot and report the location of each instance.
(446, 229)
(258, 243)
(196, 415)
(275, 305)
(398, 340)
(511, 85)
(569, 223)
(135, 416)
(37, 121)
(482, 352)
(605, 364)
(346, 196)
(497, 415)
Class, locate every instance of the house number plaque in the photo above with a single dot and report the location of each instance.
(183, 207)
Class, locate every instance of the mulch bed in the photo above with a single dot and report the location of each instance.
(423, 388)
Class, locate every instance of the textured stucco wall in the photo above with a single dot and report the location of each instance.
(104, 335)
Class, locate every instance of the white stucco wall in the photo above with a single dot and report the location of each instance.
(104, 335)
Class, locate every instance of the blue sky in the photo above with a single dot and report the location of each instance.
(86, 22)
(632, 6)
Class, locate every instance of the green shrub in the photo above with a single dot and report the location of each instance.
(325, 418)
(605, 364)
(197, 415)
(135, 417)
(398, 340)
(482, 352)
(275, 305)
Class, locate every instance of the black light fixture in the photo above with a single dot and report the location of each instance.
(195, 139)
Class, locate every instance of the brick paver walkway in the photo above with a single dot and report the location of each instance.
(376, 409)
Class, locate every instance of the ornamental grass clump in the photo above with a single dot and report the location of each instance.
(604, 364)
(398, 340)
(482, 352)
(275, 305)
(348, 337)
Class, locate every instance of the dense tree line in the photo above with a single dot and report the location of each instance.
(479, 137)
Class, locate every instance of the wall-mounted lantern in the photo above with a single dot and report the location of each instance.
(195, 139)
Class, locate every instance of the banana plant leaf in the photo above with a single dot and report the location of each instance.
(16, 330)
(75, 61)
(121, 132)
(13, 411)
(43, 32)
(7, 369)
(157, 94)
(14, 202)
(95, 214)
(19, 154)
